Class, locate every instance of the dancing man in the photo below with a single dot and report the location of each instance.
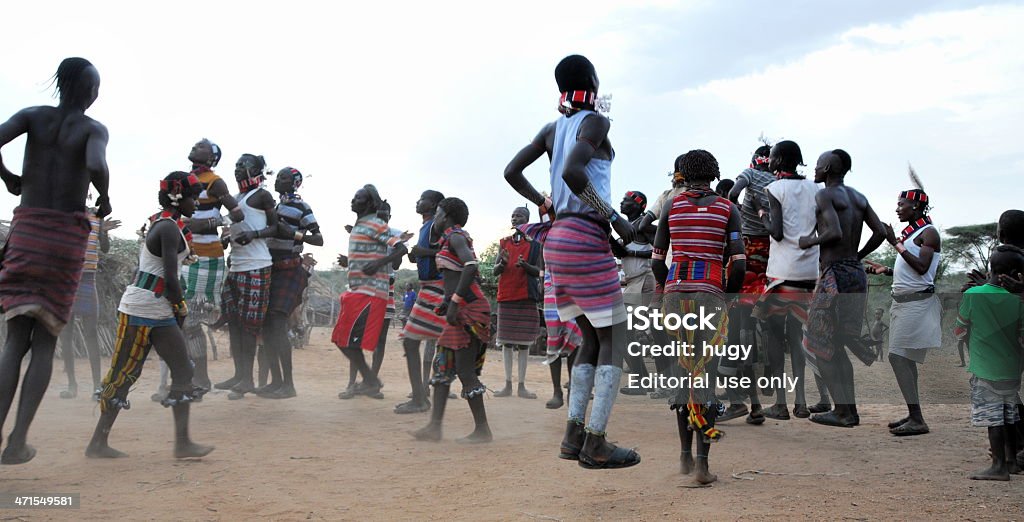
(150, 315)
(791, 275)
(205, 278)
(65, 151)
(756, 241)
(639, 279)
(518, 269)
(363, 304)
(423, 324)
(835, 316)
(577, 253)
(246, 292)
(296, 226)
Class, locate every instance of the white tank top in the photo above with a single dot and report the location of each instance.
(906, 280)
(140, 302)
(255, 255)
(786, 260)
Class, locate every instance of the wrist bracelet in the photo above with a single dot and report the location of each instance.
(457, 299)
(900, 248)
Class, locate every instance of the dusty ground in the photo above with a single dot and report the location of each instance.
(318, 458)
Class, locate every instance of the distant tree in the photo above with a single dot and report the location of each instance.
(970, 245)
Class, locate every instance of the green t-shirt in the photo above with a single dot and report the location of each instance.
(994, 318)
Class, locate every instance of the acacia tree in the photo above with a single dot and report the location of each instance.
(971, 245)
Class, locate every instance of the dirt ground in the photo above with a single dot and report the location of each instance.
(319, 458)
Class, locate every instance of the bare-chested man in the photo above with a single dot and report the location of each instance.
(836, 314)
(42, 261)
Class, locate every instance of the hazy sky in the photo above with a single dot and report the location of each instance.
(441, 95)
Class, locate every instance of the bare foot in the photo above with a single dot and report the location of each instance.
(17, 454)
(685, 463)
(479, 436)
(704, 477)
(103, 452)
(995, 472)
(430, 432)
(556, 402)
(191, 450)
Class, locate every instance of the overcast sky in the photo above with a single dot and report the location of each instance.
(441, 95)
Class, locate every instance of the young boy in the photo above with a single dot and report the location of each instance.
(991, 319)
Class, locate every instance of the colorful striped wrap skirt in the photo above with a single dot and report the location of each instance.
(583, 271)
(423, 324)
(42, 265)
(518, 323)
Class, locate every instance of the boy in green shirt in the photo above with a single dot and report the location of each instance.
(992, 319)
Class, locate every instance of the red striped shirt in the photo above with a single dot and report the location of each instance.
(698, 235)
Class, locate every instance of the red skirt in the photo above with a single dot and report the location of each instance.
(360, 321)
(473, 321)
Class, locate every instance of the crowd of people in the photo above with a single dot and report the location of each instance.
(781, 253)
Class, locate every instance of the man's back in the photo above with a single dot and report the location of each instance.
(55, 173)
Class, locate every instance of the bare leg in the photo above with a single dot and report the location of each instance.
(905, 371)
(473, 390)
(432, 431)
(775, 345)
(275, 340)
(92, 349)
(18, 343)
(235, 348)
(506, 357)
(997, 446)
(524, 361)
(557, 398)
(247, 356)
(169, 342)
(67, 349)
(33, 388)
(378, 353)
(685, 442)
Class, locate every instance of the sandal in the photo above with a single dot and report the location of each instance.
(897, 424)
(908, 430)
(833, 419)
